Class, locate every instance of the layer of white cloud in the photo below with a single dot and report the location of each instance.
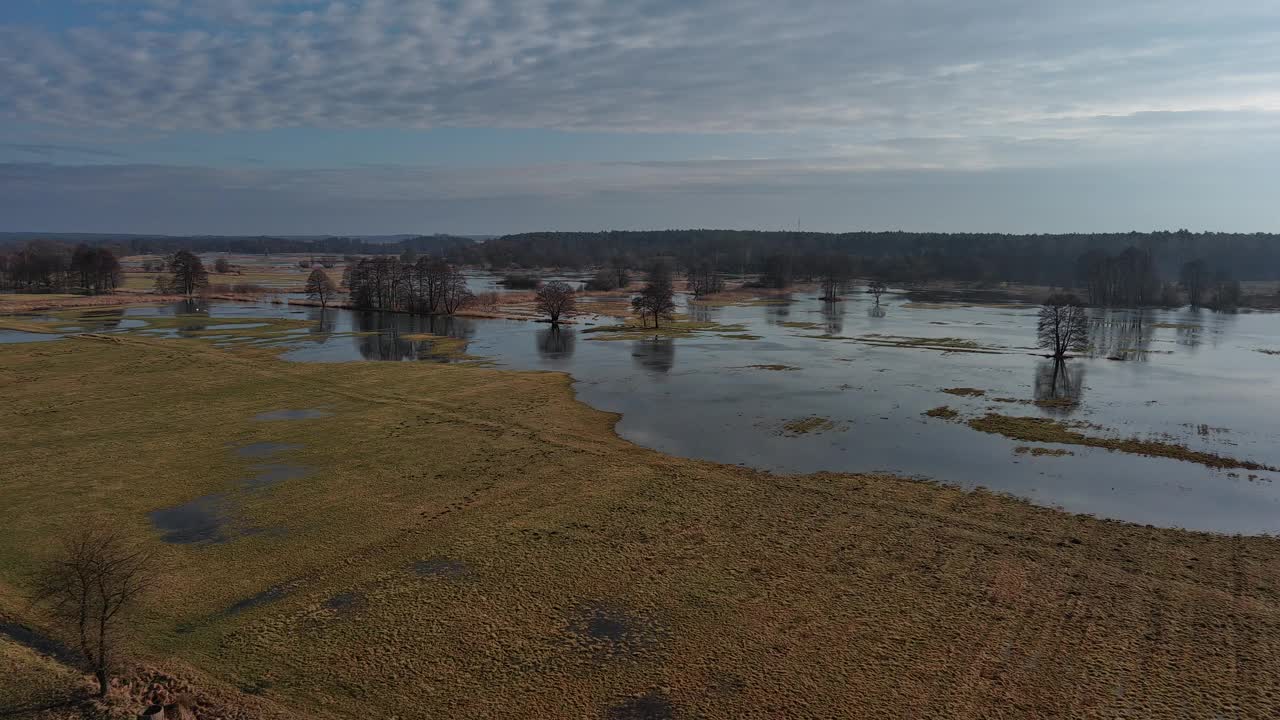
(872, 69)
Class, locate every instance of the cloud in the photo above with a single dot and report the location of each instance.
(872, 69)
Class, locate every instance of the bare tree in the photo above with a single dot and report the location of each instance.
(1194, 277)
(221, 266)
(704, 280)
(836, 273)
(320, 287)
(656, 300)
(877, 288)
(554, 299)
(1063, 325)
(93, 581)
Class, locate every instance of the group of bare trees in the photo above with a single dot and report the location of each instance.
(184, 275)
(42, 266)
(703, 279)
(428, 285)
(1128, 279)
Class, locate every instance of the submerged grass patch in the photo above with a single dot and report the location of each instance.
(675, 329)
(945, 344)
(807, 425)
(1041, 451)
(964, 391)
(942, 411)
(1033, 429)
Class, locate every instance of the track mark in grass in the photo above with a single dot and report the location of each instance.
(441, 567)
(265, 597)
(307, 414)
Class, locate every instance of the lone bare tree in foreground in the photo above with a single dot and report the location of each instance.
(1063, 325)
(93, 581)
(320, 287)
(555, 299)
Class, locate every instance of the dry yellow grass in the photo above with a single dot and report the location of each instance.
(474, 543)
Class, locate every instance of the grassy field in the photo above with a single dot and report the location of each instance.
(470, 543)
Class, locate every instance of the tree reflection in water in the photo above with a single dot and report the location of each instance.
(778, 309)
(1122, 334)
(383, 336)
(556, 343)
(876, 311)
(323, 323)
(833, 317)
(1059, 385)
(657, 355)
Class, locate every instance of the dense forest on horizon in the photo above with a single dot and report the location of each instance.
(1049, 259)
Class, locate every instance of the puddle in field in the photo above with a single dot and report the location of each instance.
(200, 521)
(268, 475)
(264, 449)
(611, 629)
(308, 414)
(651, 705)
(265, 597)
(8, 337)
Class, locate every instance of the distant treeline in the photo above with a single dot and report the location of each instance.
(123, 245)
(896, 256)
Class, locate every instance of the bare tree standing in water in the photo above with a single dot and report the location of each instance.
(876, 287)
(1063, 325)
(554, 299)
(93, 581)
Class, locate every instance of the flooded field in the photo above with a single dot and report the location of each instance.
(910, 386)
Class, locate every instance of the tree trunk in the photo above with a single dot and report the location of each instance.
(103, 681)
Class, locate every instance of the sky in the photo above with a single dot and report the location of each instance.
(489, 116)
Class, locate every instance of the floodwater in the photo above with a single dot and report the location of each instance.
(18, 336)
(807, 386)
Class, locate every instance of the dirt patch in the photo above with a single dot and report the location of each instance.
(651, 705)
(1052, 431)
(441, 567)
(345, 603)
(613, 630)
